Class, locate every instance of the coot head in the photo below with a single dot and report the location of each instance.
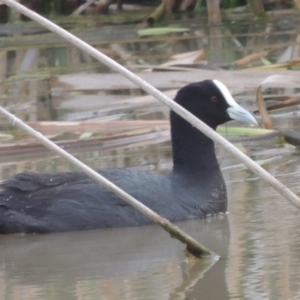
(211, 102)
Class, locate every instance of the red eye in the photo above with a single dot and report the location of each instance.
(214, 99)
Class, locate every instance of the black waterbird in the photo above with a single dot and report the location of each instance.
(44, 203)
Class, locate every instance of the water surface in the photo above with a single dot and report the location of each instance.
(258, 240)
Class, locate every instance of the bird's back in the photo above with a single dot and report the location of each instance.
(32, 202)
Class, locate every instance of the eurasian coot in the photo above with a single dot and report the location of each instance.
(43, 203)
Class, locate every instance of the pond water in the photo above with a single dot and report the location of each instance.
(258, 240)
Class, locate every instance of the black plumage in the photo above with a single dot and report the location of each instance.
(43, 203)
